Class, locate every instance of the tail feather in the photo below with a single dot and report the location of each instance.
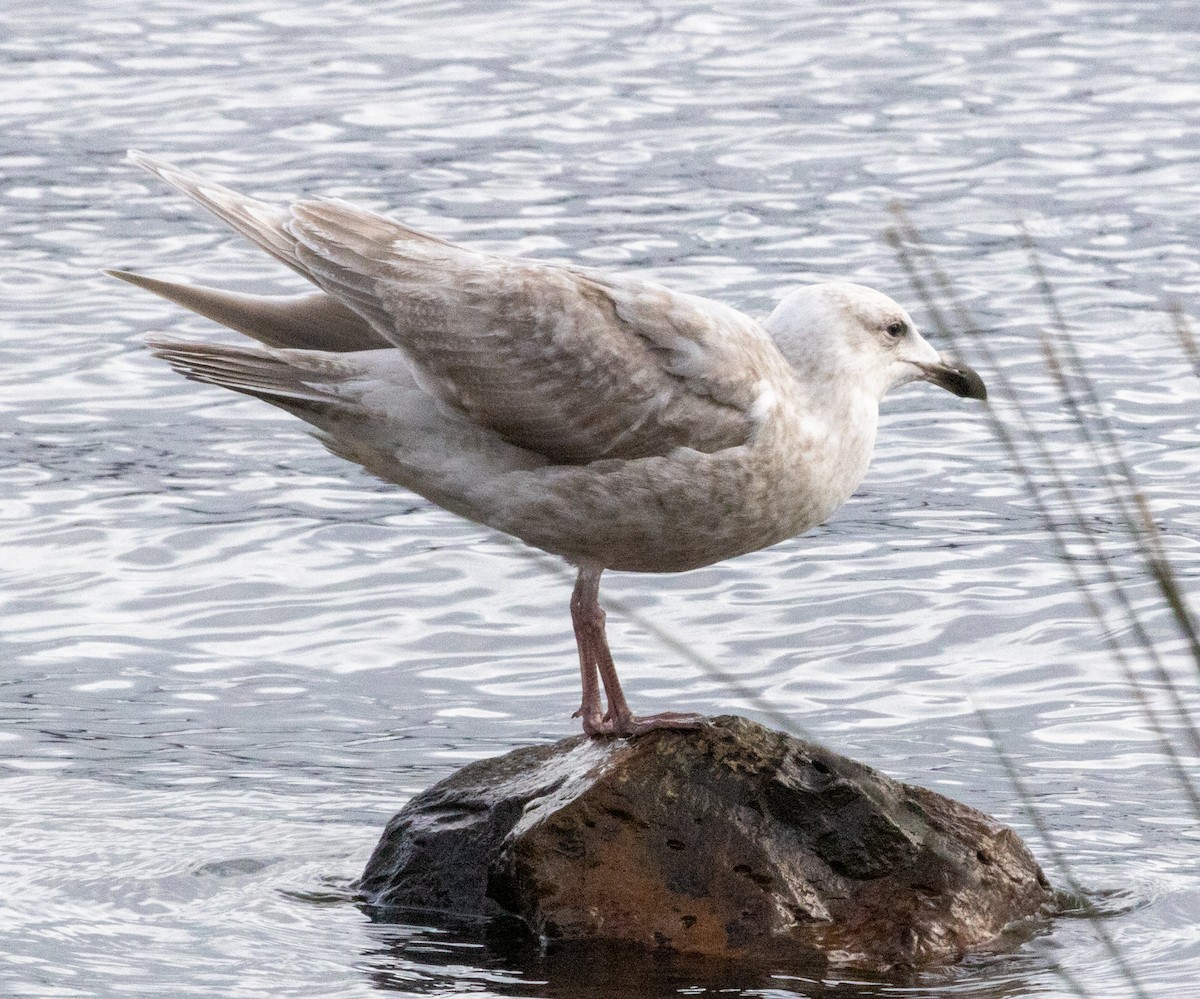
(281, 380)
(314, 321)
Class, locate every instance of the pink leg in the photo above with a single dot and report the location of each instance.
(586, 630)
(595, 658)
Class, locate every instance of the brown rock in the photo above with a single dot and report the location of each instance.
(731, 841)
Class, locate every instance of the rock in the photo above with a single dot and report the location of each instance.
(730, 840)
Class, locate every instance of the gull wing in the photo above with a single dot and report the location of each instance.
(566, 362)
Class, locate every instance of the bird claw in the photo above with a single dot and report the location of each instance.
(593, 722)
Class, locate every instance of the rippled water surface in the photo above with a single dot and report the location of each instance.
(228, 657)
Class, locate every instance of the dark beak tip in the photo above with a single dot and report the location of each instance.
(957, 378)
(972, 385)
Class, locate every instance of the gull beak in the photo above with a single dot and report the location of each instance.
(953, 376)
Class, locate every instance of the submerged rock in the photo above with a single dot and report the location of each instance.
(730, 840)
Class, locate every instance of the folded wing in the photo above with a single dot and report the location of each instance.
(566, 362)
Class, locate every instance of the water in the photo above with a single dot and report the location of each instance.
(229, 657)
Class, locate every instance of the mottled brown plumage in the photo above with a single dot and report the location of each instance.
(605, 419)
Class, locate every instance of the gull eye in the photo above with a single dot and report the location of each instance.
(896, 329)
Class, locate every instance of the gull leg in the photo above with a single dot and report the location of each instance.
(595, 658)
(583, 607)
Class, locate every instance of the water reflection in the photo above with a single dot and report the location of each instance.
(421, 960)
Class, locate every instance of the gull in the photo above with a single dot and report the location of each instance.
(600, 417)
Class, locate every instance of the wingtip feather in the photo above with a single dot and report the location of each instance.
(153, 164)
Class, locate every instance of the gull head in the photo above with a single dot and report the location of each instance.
(840, 333)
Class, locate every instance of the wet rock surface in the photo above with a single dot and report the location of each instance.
(731, 841)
